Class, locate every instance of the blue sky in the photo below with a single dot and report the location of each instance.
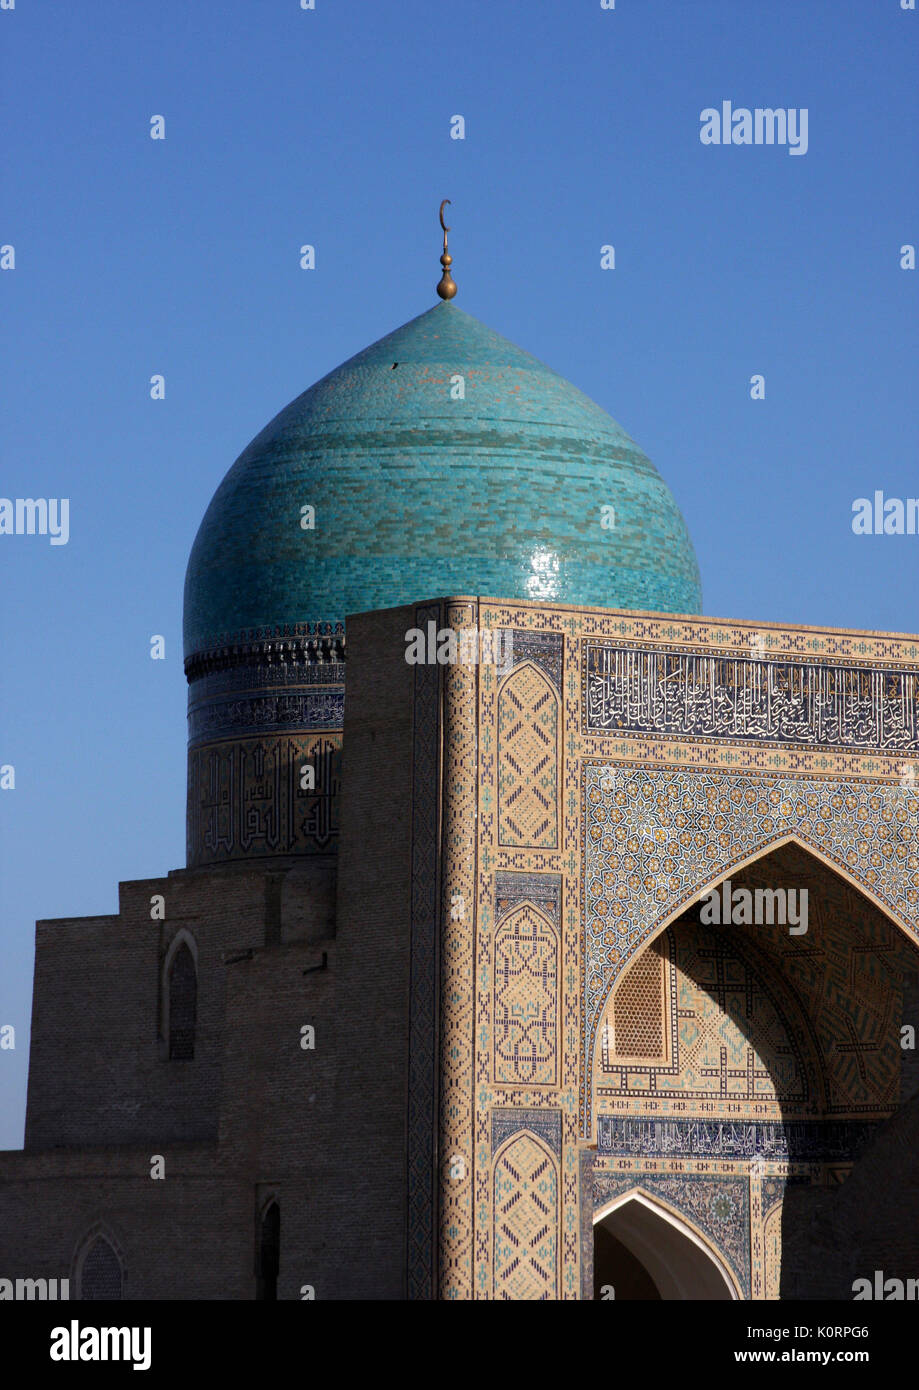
(332, 127)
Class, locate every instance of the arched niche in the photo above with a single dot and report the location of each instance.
(677, 1258)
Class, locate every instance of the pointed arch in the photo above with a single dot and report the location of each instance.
(525, 1219)
(179, 995)
(675, 911)
(98, 1265)
(529, 772)
(182, 937)
(683, 1262)
(762, 852)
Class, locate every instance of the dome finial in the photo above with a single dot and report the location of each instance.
(447, 286)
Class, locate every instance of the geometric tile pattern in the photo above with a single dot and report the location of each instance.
(848, 972)
(736, 1036)
(525, 1222)
(528, 760)
(654, 840)
(534, 877)
(719, 1207)
(800, 1025)
(457, 955)
(639, 1026)
(771, 1038)
(864, 836)
(734, 1030)
(543, 649)
(545, 1124)
(526, 1000)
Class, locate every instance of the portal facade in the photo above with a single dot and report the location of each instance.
(597, 1037)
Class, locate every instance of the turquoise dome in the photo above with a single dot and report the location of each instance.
(419, 495)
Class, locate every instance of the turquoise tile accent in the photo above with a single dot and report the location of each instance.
(418, 495)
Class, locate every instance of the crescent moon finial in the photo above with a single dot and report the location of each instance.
(447, 286)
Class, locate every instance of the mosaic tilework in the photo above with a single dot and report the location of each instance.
(735, 1032)
(528, 757)
(798, 770)
(457, 997)
(587, 1159)
(836, 993)
(543, 890)
(848, 972)
(525, 1222)
(837, 982)
(545, 1124)
(640, 1011)
(773, 1190)
(675, 695)
(524, 875)
(718, 643)
(722, 636)
(542, 649)
(605, 1176)
(717, 1207)
(423, 1026)
(777, 1141)
(654, 841)
(525, 1017)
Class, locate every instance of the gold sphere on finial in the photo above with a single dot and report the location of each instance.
(447, 286)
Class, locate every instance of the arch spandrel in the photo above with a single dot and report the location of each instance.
(703, 1253)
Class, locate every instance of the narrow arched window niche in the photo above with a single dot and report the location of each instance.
(268, 1255)
(99, 1268)
(180, 999)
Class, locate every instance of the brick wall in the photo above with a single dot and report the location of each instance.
(366, 1218)
(99, 1072)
